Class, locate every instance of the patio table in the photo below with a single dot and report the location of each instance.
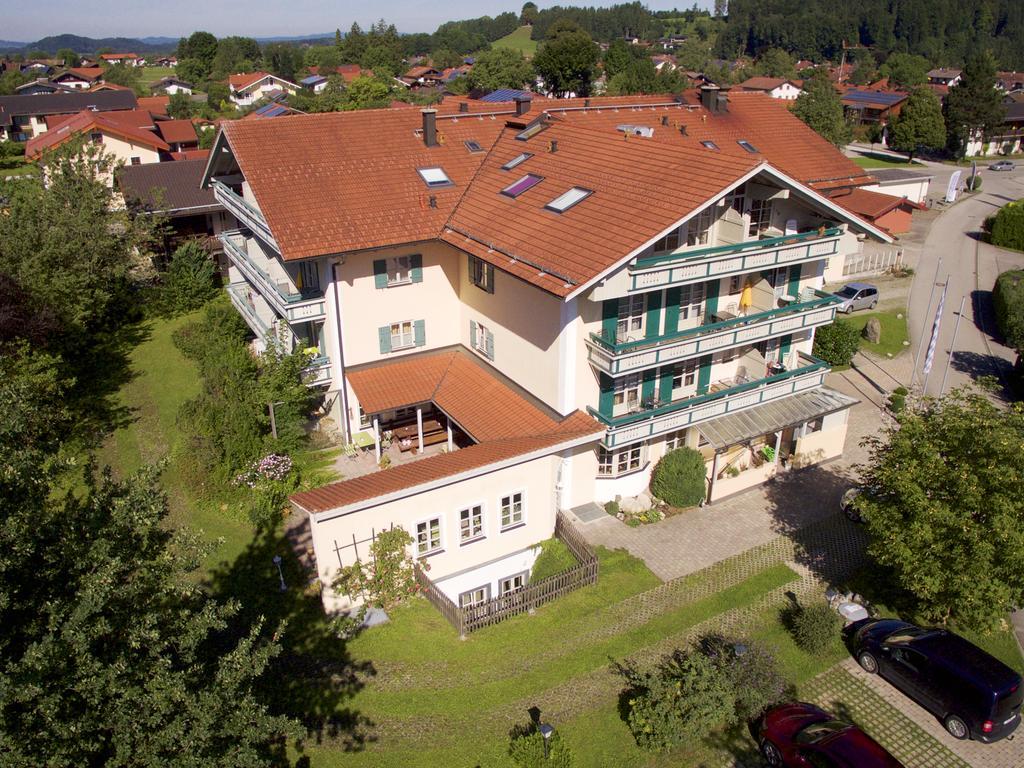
(363, 440)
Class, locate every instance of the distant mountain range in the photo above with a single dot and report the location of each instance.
(81, 44)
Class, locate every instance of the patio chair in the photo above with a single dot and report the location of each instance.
(350, 450)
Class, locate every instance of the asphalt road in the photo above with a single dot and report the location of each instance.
(970, 267)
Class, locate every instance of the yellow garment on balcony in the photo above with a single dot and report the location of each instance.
(747, 297)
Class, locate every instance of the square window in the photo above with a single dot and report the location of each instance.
(604, 462)
(735, 283)
(567, 200)
(675, 440)
(428, 537)
(474, 597)
(402, 335)
(471, 524)
(669, 242)
(628, 459)
(630, 317)
(399, 270)
(511, 510)
(627, 392)
(516, 188)
(434, 177)
(760, 217)
(136, 161)
(480, 338)
(512, 584)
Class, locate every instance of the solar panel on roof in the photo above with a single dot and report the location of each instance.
(505, 94)
(876, 97)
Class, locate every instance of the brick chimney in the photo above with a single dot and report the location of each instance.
(523, 104)
(430, 127)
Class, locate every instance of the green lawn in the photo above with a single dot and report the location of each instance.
(881, 161)
(151, 74)
(894, 331)
(519, 40)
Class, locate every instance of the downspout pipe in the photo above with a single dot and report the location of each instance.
(346, 429)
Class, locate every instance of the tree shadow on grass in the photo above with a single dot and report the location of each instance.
(314, 678)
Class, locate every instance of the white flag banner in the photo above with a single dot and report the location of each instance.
(933, 342)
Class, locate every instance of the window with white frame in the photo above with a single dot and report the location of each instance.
(627, 393)
(630, 317)
(760, 217)
(474, 597)
(691, 302)
(605, 462)
(669, 242)
(512, 584)
(684, 377)
(675, 440)
(399, 270)
(511, 510)
(402, 335)
(623, 461)
(698, 229)
(428, 537)
(365, 422)
(471, 524)
(736, 199)
(480, 338)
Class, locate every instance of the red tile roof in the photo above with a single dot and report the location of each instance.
(87, 120)
(109, 87)
(242, 81)
(177, 131)
(83, 73)
(155, 104)
(109, 56)
(504, 422)
(869, 204)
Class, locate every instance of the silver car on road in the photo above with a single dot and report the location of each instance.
(857, 296)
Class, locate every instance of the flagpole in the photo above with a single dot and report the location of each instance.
(924, 325)
(930, 356)
(952, 346)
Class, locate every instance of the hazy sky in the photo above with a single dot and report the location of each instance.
(33, 20)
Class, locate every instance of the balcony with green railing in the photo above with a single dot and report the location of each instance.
(655, 418)
(697, 264)
(616, 357)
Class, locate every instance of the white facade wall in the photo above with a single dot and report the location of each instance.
(914, 190)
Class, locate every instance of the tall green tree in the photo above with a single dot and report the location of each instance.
(617, 58)
(919, 124)
(500, 68)
(69, 57)
(821, 108)
(639, 77)
(906, 70)
(974, 107)
(195, 56)
(234, 55)
(775, 62)
(567, 60)
(944, 509)
(354, 45)
(528, 14)
(366, 93)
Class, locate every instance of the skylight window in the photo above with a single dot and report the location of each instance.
(710, 144)
(747, 146)
(434, 177)
(516, 161)
(516, 188)
(473, 145)
(567, 200)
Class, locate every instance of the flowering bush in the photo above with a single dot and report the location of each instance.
(273, 467)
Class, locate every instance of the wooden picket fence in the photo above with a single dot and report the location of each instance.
(873, 262)
(466, 620)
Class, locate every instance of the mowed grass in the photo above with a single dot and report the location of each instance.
(519, 40)
(882, 161)
(163, 381)
(894, 331)
(151, 74)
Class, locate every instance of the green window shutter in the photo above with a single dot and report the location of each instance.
(704, 375)
(665, 385)
(380, 273)
(653, 315)
(711, 304)
(793, 289)
(609, 319)
(606, 400)
(490, 345)
(472, 334)
(672, 310)
(490, 277)
(416, 271)
(419, 332)
(647, 387)
(385, 339)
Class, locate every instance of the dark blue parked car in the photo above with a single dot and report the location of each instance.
(974, 694)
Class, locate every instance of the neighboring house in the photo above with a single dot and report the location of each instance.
(37, 86)
(663, 62)
(110, 87)
(174, 191)
(40, 67)
(126, 136)
(314, 83)
(23, 117)
(425, 77)
(865, 107)
(180, 135)
(901, 182)
(553, 305)
(156, 105)
(885, 211)
(167, 61)
(776, 87)
(1007, 139)
(944, 76)
(79, 78)
(1010, 82)
(272, 109)
(128, 59)
(247, 89)
(347, 72)
(171, 86)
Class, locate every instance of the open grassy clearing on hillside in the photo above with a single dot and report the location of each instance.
(519, 40)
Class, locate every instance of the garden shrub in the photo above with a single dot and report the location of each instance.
(836, 344)
(1008, 306)
(898, 399)
(680, 477)
(527, 749)
(753, 672)
(190, 280)
(974, 183)
(1008, 227)
(813, 627)
(612, 508)
(554, 558)
(683, 698)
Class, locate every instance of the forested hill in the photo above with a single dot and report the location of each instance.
(943, 31)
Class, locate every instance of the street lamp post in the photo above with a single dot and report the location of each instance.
(546, 731)
(280, 573)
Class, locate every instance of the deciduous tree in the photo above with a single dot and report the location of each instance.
(821, 108)
(567, 60)
(500, 68)
(919, 124)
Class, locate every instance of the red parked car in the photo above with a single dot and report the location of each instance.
(803, 736)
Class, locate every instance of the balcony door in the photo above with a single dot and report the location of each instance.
(630, 323)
